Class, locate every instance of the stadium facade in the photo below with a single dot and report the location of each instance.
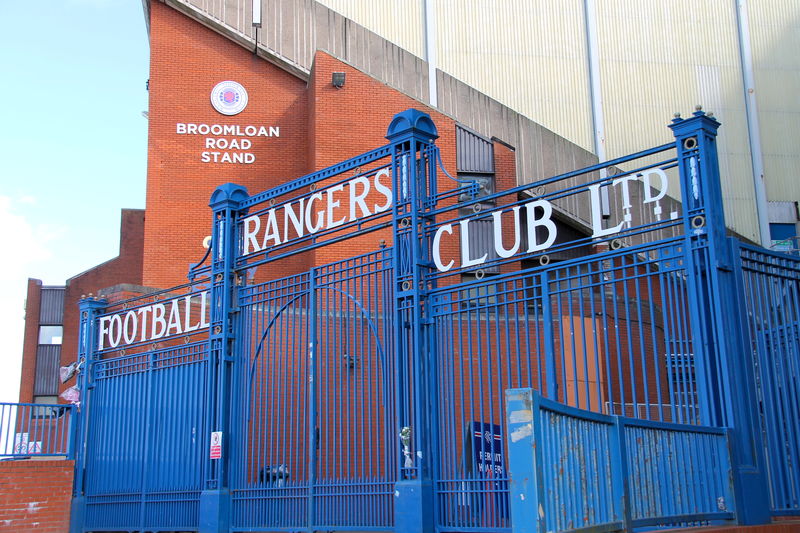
(350, 241)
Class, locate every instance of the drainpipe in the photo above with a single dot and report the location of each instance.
(753, 131)
(429, 26)
(596, 95)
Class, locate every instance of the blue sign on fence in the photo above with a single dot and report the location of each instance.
(485, 460)
(487, 450)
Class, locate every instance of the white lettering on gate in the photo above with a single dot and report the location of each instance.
(467, 260)
(185, 314)
(644, 176)
(301, 217)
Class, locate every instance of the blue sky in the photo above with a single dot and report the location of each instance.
(73, 146)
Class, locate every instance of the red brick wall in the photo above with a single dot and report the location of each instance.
(30, 340)
(353, 119)
(35, 495)
(186, 61)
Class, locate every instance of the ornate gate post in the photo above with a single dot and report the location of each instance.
(89, 309)
(726, 387)
(215, 498)
(412, 134)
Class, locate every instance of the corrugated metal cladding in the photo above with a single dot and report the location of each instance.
(475, 153)
(775, 41)
(51, 312)
(671, 59)
(527, 54)
(48, 357)
(398, 21)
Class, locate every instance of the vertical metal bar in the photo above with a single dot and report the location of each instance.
(626, 280)
(619, 459)
(411, 133)
(606, 345)
(215, 498)
(145, 437)
(593, 313)
(715, 264)
(617, 338)
(549, 344)
(657, 356)
(639, 270)
(88, 309)
(312, 399)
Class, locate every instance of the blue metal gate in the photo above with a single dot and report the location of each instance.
(771, 293)
(292, 386)
(144, 412)
(317, 400)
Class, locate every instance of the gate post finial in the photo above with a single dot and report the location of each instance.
(227, 195)
(700, 180)
(412, 122)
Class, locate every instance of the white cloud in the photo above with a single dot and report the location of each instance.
(28, 200)
(24, 245)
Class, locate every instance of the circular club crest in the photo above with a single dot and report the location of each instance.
(229, 97)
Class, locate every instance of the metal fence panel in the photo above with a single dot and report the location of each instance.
(771, 284)
(612, 473)
(36, 430)
(679, 475)
(319, 394)
(146, 426)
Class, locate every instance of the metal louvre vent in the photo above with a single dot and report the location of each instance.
(47, 361)
(51, 311)
(475, 153)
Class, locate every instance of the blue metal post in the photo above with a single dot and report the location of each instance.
(87, 341)
(215, 498)
(525, 490)
(621, 490)
(549, 343)
(411, 134)
(725, 385)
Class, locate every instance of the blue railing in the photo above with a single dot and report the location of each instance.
(368, 393)
(572, 469)
(35, 430)
(771, 294)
